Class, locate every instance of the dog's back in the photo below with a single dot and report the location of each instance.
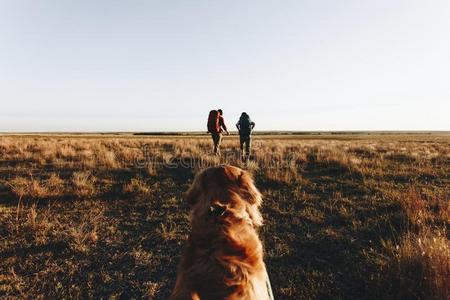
(224, 256)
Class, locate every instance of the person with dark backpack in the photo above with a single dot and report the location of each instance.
(245, 126)
(216, 125)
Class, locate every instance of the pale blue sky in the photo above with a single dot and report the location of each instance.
(162, 65)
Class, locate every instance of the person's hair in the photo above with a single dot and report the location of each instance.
(220, 111)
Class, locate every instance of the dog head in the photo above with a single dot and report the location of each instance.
(224, 194)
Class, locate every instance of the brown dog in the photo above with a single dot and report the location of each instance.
(224, 256)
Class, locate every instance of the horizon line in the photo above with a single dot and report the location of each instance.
(256, 132)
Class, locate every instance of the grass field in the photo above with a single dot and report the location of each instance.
(346, 216)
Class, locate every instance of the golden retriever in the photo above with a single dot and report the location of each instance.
(224, 256)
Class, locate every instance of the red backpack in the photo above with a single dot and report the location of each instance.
(213, 122)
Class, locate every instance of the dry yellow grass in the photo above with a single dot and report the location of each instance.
(347, 217)
(419, 266)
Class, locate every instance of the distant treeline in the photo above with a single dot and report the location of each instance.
(293, 133)
(259, 133)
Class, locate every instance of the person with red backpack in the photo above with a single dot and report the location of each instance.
(216, 125)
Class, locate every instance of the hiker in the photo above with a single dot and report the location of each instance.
(245, 126)
(216, 125)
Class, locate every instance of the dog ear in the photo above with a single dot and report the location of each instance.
(193, 194)
(248, 189)
(250, 193)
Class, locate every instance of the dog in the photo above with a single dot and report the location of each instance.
(224, 255)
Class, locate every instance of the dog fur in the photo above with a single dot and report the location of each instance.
(224, 256)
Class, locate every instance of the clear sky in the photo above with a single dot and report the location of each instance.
(130, 65)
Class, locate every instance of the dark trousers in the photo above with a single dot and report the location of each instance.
(245, 141)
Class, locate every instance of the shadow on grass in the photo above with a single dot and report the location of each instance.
(315, 248)
(320, 249)
(56, 248)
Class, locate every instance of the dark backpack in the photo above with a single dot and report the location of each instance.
(245, 125)
(213, 122)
